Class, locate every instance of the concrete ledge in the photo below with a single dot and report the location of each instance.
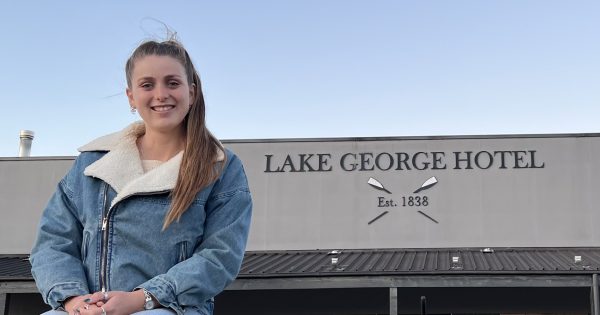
(411, 282)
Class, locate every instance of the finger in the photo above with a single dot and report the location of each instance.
(110, 306)
(93, 298)
(91, 310)
(100, 303)
(98, 296)
(82, 306)
(87, 299)
(78, 308)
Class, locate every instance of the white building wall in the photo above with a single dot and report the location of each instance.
(551, 200)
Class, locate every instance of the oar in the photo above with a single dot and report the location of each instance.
(430, 218)
(377, 217)
(427, 184)
(375, 183)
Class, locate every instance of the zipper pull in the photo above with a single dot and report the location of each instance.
(104, 221)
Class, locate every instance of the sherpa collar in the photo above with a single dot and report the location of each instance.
(121, 167)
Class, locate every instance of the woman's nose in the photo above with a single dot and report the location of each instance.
(161, 93)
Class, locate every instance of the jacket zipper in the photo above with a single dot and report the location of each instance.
(106, 211)
(104, 247)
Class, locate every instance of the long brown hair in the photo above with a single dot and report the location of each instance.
(199, 166)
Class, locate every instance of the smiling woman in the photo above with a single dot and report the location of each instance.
(154, 216)
(159, 91)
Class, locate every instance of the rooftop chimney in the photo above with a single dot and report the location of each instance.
(26, 137)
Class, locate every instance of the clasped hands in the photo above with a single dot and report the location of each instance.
(106, 303)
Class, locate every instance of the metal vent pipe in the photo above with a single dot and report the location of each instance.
(26, 138)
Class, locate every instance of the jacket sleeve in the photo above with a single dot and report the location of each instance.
(217, 259)
(56, 255)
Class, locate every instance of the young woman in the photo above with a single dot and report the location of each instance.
(152, 219)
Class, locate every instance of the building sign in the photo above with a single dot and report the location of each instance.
(426, 193)
(402, 161)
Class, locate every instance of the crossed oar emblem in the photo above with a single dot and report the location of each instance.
(426, 185)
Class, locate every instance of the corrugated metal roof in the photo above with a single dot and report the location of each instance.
(420, 261)
(14, 267)
(373, 262)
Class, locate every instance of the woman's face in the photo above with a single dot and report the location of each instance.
(160, 92)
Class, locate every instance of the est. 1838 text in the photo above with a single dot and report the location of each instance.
(405, 201)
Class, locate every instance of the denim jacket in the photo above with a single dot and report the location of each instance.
(102, 229)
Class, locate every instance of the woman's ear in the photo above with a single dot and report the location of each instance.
(192, 93)
(129, 96)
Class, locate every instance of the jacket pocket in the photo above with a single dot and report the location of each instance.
(183, 251)
(84, 245)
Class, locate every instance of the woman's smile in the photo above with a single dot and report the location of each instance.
(162, 108)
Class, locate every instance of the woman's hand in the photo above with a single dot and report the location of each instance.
(77, 302)
(117, 303)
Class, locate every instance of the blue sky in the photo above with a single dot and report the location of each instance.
(311, 68)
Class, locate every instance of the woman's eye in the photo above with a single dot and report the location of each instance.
(174, 83)
(146, 85)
